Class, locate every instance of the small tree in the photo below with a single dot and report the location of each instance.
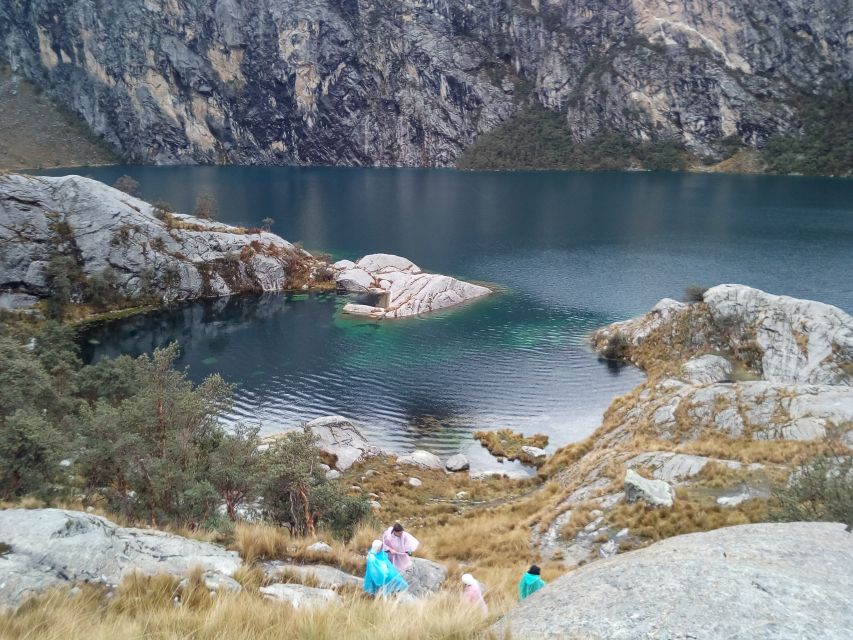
(161, 209)
(298, 494)
(267, 223)
(694, 293)
(206, 207)
(103, 290)
(237, 468)
(127, 184)
(820, 490)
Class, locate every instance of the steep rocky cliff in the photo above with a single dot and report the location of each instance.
(75, 229)
(363, 82)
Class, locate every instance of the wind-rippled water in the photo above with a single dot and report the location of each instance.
(570, 252)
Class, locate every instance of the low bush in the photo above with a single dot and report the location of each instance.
(820, 489)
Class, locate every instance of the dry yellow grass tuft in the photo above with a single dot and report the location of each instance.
(506, 443)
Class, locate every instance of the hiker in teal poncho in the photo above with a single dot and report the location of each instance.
(530, 582)
(380, 576)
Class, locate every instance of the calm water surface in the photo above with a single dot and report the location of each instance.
(570, 252)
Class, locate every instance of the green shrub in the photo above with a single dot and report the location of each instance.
(820, 490)
(127, 184)
(694, 293)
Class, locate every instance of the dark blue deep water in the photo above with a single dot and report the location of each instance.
(571, 252)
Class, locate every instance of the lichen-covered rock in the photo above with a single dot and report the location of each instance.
(283, 82)
(654, 492)
(53, 547)
(340, 439)
(404, 288)
(325, 576)
(101, 228)
(762, 581)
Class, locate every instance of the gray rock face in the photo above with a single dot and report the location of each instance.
(675, 467)
(279, 81)
(103, 228)
(764, 581)
(52, 547)
(654, 492)
(401, 288)
(299, 596)
(801, 341)
(425, 576)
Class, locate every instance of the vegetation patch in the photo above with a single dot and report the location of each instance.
(506, 443)
(538, 138)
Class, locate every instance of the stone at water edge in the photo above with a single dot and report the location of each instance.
(405, 289)
(655, 492)
(421, 458)
(299, 596)
(340, 438)
(533, 452)
(457, 463)
(761, 581)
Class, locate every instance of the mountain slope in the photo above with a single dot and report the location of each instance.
(365, 82)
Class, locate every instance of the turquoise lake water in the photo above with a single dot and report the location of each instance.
(570, 252)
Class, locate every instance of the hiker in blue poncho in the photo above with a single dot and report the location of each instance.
(530, 582)
(380, 576)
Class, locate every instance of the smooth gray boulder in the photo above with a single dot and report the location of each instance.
(299, 596)
(409, 290)
(327, 577)
(178, 258)
(762, 582)
(534, 452)
(706, 369)
(654, 492)
(422, 459)
(320, 547)
(457, 463)
(425, 576)
(52, 547)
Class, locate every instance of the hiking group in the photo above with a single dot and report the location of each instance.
(389, 561)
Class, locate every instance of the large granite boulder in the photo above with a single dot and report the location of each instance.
(762, 581)
(654, 492)
(457, 462)
(706, 369)
(400, 288)
(53, 547)
(425, 577)
(325, 576)
(173, 256)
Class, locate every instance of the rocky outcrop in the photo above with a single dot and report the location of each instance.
(280, 82)
(706, 420)
(763, 581)
(147, 252)
(398, 288)
(55, 547)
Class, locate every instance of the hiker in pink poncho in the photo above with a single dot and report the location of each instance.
(399, 545)
(472, 593)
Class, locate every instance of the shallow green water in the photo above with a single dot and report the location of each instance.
(570, 251)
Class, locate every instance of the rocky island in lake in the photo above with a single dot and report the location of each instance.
(398, 288)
